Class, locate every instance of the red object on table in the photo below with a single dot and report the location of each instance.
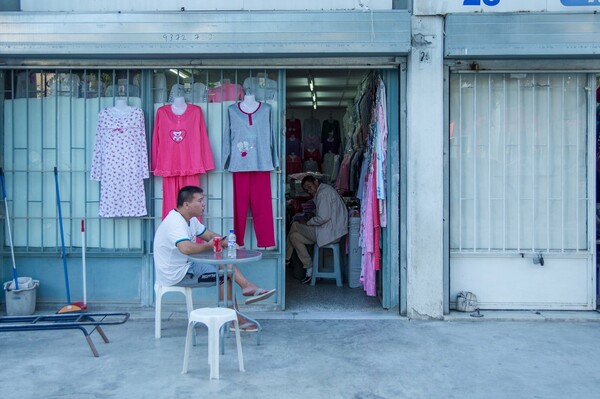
(218, 247)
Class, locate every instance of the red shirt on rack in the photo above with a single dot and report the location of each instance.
(180, 145)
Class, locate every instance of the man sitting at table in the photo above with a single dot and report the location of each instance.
(175, 238)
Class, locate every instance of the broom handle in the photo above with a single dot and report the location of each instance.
(62, 237)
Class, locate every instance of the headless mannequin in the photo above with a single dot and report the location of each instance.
(249, 104)
(121, 104)
(179, 106)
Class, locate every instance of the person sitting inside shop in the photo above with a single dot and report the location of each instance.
(175, 239)
(329, 224)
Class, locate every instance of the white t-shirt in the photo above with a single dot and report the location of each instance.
(170, 265)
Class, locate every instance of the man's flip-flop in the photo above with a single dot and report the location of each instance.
(259, 295)
(245, 327)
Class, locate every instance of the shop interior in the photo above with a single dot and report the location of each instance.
(319, 129)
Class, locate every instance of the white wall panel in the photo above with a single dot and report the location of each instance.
(562, 283)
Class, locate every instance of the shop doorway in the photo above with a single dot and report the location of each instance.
(325, 109)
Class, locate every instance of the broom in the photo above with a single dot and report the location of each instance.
(71, 307)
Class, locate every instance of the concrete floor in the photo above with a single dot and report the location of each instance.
(326, 297)
(329, 343)
(509, 355)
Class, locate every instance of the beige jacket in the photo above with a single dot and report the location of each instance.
(331, 215)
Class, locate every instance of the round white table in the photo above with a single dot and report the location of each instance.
(222, 258)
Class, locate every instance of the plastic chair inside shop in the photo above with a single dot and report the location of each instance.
(319, 270)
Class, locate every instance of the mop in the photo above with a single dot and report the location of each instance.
(71, 307)
(12, 249)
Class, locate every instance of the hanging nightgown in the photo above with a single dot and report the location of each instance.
(381, 150)
(120, 162)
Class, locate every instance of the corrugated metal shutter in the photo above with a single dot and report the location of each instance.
(522, 35)
(205, 34)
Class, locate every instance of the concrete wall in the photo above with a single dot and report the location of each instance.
(196, 5)
(425, 170)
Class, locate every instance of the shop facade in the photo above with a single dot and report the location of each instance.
(520, 138)
(491, 146)
(61, 69)
(522, 172)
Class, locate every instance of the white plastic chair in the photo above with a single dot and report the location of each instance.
(214, 319)
(160, 290)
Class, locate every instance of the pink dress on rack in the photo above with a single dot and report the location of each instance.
(369, 236)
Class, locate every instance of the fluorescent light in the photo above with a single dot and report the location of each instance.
(180, 73)
(313, 92)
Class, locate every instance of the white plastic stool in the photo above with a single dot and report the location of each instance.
(213, 318)
(160, 290)
(337, 265)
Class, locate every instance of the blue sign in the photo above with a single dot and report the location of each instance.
(566, 3)
(579, 3)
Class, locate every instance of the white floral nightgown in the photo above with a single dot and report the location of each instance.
(120, 162)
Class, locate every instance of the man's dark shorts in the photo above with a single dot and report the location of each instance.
(200, 275)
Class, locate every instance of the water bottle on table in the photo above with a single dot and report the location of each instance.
(231, 244)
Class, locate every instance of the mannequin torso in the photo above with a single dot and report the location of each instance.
(179, 106)
(121, 105)
(249, 104)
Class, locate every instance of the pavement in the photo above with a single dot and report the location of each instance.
(316, 355)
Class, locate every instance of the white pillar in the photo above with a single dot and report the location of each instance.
(425, 184)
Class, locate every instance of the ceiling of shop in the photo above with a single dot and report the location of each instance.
(335, 88)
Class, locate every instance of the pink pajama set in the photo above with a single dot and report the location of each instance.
(180, 151)
(249, 152)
